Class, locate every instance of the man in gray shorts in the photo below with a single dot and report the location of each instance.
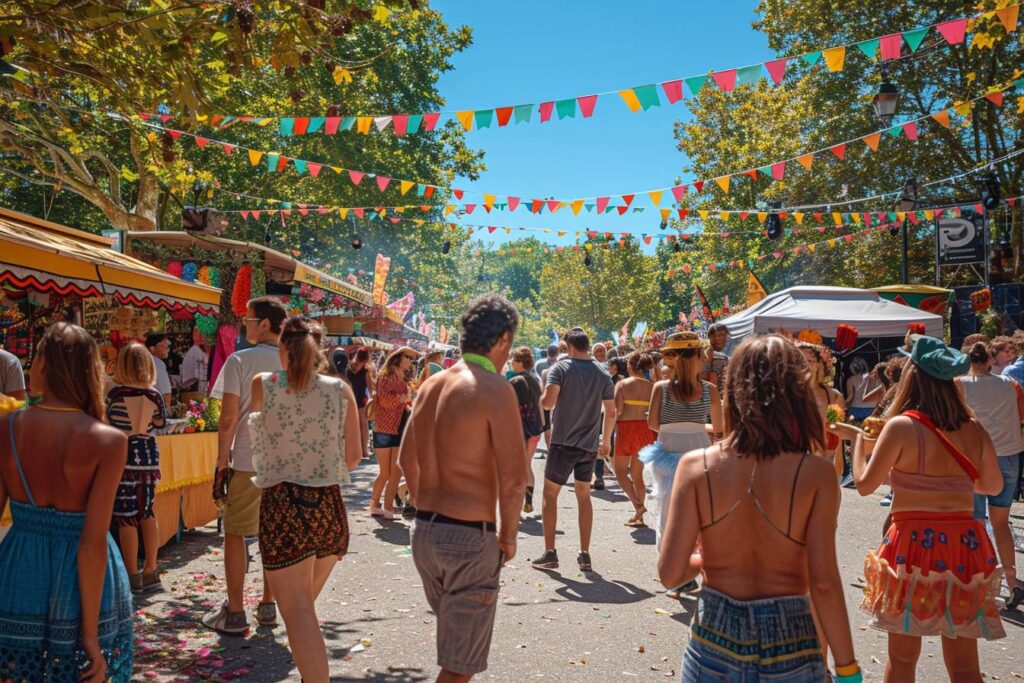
(463, 455)
(577, 388)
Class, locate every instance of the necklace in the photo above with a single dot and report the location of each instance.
(56, 409)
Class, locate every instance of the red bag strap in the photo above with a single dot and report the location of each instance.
(962, 460)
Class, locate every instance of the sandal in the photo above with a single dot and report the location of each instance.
(266, 614)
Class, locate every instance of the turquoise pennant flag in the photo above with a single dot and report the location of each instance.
(421, 189)
(1019, 85)
(647, 96)
(869, 48)
(895, 131)
(225, 121)
(766, 170)
(484, 117)
(811, 58)
(272, 158)
(348, 122)
(315, 124)
(300, 166)
(414, 123)
(892, 215)
(523, 113)
(589, 208)
(285, 126)
(566, 108)
(695, 83)
(286, 205)
(748, 75)
(915, 37)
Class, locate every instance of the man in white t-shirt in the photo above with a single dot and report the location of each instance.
(12, 376)
(159, 347)
(194, 366)
(242, 500)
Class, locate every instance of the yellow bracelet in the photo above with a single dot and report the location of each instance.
(848, 670)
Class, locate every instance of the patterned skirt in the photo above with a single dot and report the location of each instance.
(137, 490)
(934, 574)
(298, 522)
(631, 436)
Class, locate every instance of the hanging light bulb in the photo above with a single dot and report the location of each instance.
(773, 224)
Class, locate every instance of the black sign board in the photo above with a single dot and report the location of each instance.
(961, 241)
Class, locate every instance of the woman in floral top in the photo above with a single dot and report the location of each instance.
(305, 431)
(394, 398)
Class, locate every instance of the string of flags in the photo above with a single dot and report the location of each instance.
(637, 98)
(275, 162)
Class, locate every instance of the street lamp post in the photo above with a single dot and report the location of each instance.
(886, 100)
(908, 202)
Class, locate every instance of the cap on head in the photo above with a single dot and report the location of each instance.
(934, 358)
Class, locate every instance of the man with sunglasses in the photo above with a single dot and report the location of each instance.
(235, 470)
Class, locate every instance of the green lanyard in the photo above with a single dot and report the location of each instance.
(482, 361)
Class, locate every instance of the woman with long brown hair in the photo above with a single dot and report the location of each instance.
(393, 401)
(632, 433)
(62, 579)
(935, 573)
(763, 516)
(305, 430)
(362, 378)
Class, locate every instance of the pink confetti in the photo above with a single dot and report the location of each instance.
(150, 674)
(205, 652)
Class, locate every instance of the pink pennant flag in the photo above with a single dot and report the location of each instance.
(383, 182)
(553, 205)
(679, 191)
(322, 210)
(848, 238)
(401, 123)
(256, 215)
(779, 170)
(726, 80)
(491, 228)
(777, 69)
(331, 125)
(953, 31)
(891, 46)
(245, 214)
(602, 204)
(673, 90)
(164, 118)
(303, 211)
(545, 111)
(469, 207)
(228, 148)
(430, 121)
(314, 169)
(201, 142)
(587, 103)
(356, 177)
(839, 150)
(910, 130)
(513, 203)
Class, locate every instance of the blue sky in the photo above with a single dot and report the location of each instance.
(530, 51)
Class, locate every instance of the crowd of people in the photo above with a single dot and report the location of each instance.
(737, 456)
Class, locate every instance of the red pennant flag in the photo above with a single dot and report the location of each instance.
(430, 121)
(591, 234)
(545, 111)
(553, 205)
(726, 80)
(1012, 201)
(469, 207)
(891, 45)
(779, 170)
(622, 209)
(673, 90)
(145, 117)
(401, 123)
(647, 239)
(282, 162)
(358, 212)
(995, 98)
(819, 217)
(744, 215)
(628, 198)
(303, 211)
(979, 208)
(504, 115)
(839, 150)
(698, 185)
(322, 210)
(314, 169)
(256, 215)
(301, 124)
(848, 238)
(228, 148)
(491, 228)
(679, 191)
(602, 204)
(776, 69)
(201, 142)
(394, 219)
(245, 214)
(487, 208)
(587, 103)
(331, 127)
(164, 118)
(513, 203)
(458, 193)
(356, 177)
(953, 31)
(383, 182)
(683, 213)
(286, 212)
(429, 191)
(752, 173)
(910, 130)
(538, 204)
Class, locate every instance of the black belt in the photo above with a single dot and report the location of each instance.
(443, 519)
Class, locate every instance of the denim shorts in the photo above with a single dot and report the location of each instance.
(743, 641)
(382, 440)
(1009, 465)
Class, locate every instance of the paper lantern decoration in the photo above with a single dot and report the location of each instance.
(846, 337)
(242, 291)
(214, 276)
(916, 328)
(189, 272)
(981, 300)
(207, 324)
(174, 268)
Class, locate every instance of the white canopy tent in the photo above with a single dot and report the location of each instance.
(823, 308)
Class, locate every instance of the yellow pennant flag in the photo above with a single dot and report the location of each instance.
(655, 196)
(254, 156)
(872, 141)
(810, 247)
(723, 183)
(1009, 16)
(964, 109)
(588, 246)
(799, 218)
(508, 231)
(942, 117)
(489, 199)
(343, 212)
(856, 218)
(762, 216)
(834, 58)
(703, 214)
(448, 209)
(466, 118)
(561, 233)
(399, 209)
(337, 169)
(929, 214)
(405, 186)
(755, 290)
(576, 206)
(832, 243)
(630, 98)
(665, 213)
(900, 215)
(806, 160)
(837, 218)
(363, 124)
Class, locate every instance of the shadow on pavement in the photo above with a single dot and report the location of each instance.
(393, 674)
(610, 496)
(598, 590)
(689, 605)
(392, 532)
(643, 535)
(1015, 617)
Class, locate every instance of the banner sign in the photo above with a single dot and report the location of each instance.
(961, 241)
(305, 274)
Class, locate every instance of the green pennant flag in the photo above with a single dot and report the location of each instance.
(286, 205)
(609, 209)
(300, 166)
(413, 125)
(225, 121)
(566, 108)
(869, 48)
(811, 58)
(315, 124)
(348, 122)
(766, 170)
(420, 189)
(285, 126)
(589, 208)
(484, 117)
(1019, 84)
(523, 113)
(915, 37)
(638, 209)
(895, 131)
(647, 95)
(695, 83)
(892, 215)
(748, 75)
(272, 158)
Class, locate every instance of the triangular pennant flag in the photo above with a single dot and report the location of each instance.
(698, 186)
(835, 57)
(201, 142)
(839, 150)
(648, 96)
(995, 98)
(726, 80)
(895, 131)
(587, 104)
(806, 161)
(465, 118)
(1009, 16)
(665, 213)
(504, 115)
(673, 90)
(513, 203)
(414, 123)
(762, 216)
(628, 199)
(383, 182)
(799, 217)
(869, 47)
(566, 108)
(723, 183)
(629, 97)
(228, 148)
(545, 111)
(779, 170)
(405, 185)
(953, 31)
(470, 208)
(489, 200)
(892, 46)
(915, 37)
(553, 205)
(910, 130)
(429, 121)
(301, 125)
(401, 124)
(537, 205)
(811, 58)
(363, 124)
(872, 141)
(381, 122)
(347, 123)
(459, 194)
(704, 213)
(285, 126)
(776, 69)
(356, 177)
(254, 156)
(483, 118)
(331, 125)
(942, 117)
(313, 168)
(300, 166)
(655, 196)
(272, 159)
(282, 163)
(695, 83)
(748, 75)
(752, 174)
(679, 191)
(683, 213)
(602, 204)
(576, 206)
(964, 108)
(523, 112)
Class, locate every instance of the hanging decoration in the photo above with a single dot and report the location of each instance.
(189, 272)
(242, 291)
(636, 98)
(207, 325)
(174, 268)
(204, 275)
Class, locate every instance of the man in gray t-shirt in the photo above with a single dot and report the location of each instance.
(576, 390)
(12, 376)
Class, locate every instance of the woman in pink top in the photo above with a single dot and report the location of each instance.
(394, 399)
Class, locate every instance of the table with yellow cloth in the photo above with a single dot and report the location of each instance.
(186, 475)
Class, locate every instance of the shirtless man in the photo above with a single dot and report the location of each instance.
(463, 455)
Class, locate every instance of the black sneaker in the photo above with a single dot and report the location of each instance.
(549, 560)
(584, 561)
(599, 484)
(690, 587)
(1016, 598)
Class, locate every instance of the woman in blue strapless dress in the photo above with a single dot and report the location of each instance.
(65, 602)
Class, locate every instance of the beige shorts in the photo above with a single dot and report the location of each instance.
(242, 507)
